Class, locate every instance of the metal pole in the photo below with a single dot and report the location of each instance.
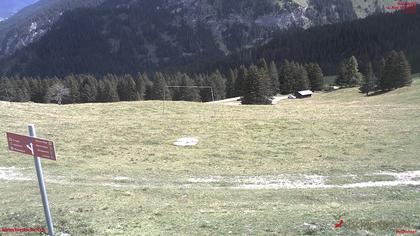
(42, 189)
(214, 104)
(164, 99)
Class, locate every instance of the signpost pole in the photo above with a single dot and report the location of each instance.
(42, 189)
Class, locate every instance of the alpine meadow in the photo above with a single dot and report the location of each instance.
(209, 117)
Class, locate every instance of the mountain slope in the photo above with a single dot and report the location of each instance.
(126, 36)
(32, 22)
(368, 39)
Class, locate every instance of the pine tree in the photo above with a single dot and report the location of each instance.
(110, 93)
(300, 78)
(88, 89)
(6, 90)
(188, 93)
(44, 85)
(274, 75)
(286, 78)
(24, 89)
(255, 89)
(240, 81)
(159, 89)
(131, 88)
(217, 82)
(230, 84)
(266, 77)
(391, 73)
(149, 88)
(73, 85)
(121, 89)
(349, 75)
(36, 90)
(126, 88)
(100, 97)
(141, 85)
(405, 71)
(315, 76)
(342, 75)
(200, 80)
(368, 84)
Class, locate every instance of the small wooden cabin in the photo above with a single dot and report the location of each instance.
(304, 94)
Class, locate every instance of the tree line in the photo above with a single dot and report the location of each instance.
(261, 80)
(256, 84)
(86, 88)
(391, 72)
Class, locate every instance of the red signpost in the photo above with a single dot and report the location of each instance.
(31, 146)
(38, 148)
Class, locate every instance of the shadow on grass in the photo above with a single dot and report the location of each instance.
(377, 93)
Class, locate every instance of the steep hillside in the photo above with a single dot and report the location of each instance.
(34, 21)
(368, 39)
(128, 35)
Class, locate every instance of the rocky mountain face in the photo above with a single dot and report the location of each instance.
(128, 35)
(34, 21)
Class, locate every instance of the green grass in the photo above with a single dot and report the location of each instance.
(333, 134)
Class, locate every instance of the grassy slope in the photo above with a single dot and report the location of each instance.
(332, 134)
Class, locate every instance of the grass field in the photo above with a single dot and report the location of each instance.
(119, 174)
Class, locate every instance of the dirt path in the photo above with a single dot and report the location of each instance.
(13, 174)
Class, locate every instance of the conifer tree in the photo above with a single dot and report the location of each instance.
(274, 75)
(159, 88)
(405, 70)
(130, 90)
(230, 84)
(141, 85)
(100, 97)
(300, 78)
(396, 72)
(255, 89)
(73, 85)
(149, 88)
(36, 90)
(187, 93)
(266, 77)
(44, 85)
(24, 89)
(217, 82)
(88, 89)
(391, 73)
(286, 78)
(240, 80)
(6, 89)
(349, 75)
(110, 93)
(368, 84)
(315, 76)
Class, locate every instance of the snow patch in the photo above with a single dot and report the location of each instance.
(119, 178)
(33, 27)
(187, 141)
(12, 174)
